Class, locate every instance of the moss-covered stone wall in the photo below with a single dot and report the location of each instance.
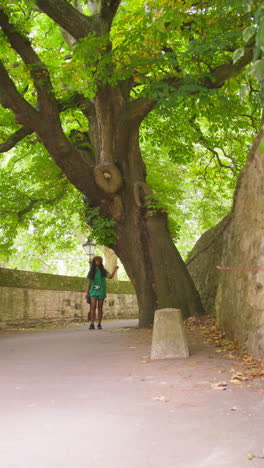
(31, 280)
(28, 299)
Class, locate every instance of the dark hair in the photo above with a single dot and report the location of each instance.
(92, 271)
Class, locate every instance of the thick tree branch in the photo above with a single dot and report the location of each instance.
(109, 9)
(140, 108)
(68, 17)
(105, 10)
(14, 139)
(48, 107)
(46, 123)
(75, 22)
(10, 98)
(226, 71)
(76, 100)
(38, 70)
(218, 75)
(76, 164)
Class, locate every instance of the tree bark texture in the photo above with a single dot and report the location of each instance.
(154, 266)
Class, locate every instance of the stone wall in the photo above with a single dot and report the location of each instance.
(28, 299)
(236, 294)
(203, 260)
(240, 293)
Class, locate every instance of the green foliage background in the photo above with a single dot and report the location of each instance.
(194, 143)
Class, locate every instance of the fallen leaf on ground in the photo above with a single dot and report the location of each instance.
(257, 372)
(234, 408)
(238, 377)
(247, 358)
(229, 356)
(206, 328)
(160, 398)
(235, 381)
(219, 386)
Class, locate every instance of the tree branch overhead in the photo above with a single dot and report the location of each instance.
(37, 69)
(109, 8)
(10, 98)
(228, 70)
(68, 17)
(14, 139)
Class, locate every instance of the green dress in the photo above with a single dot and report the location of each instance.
(98, 285)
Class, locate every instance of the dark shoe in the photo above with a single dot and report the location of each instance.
(99, 326)
(92, 327)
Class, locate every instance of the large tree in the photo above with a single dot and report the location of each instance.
(116, 61)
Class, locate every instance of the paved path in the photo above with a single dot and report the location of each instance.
(74, 398)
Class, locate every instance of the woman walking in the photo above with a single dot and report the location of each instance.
(96, 289)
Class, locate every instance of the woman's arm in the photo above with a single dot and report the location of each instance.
(87, 289)
(110, 276)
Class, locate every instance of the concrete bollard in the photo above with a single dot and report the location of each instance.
(168, 339)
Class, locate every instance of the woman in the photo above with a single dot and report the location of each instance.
(96, 289)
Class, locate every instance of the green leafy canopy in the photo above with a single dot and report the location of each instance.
(194, 143)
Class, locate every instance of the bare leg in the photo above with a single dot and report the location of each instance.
(89, 314)
(100, 310)
(93, 308)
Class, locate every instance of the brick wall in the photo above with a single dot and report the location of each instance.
(28, 299)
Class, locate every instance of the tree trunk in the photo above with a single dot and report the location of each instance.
(144, 245)
(155, 267)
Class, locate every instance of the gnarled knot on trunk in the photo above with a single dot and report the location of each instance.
(141, 191)
(113, 208)
(108, 177)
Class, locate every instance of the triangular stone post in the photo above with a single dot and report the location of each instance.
(168, 339)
